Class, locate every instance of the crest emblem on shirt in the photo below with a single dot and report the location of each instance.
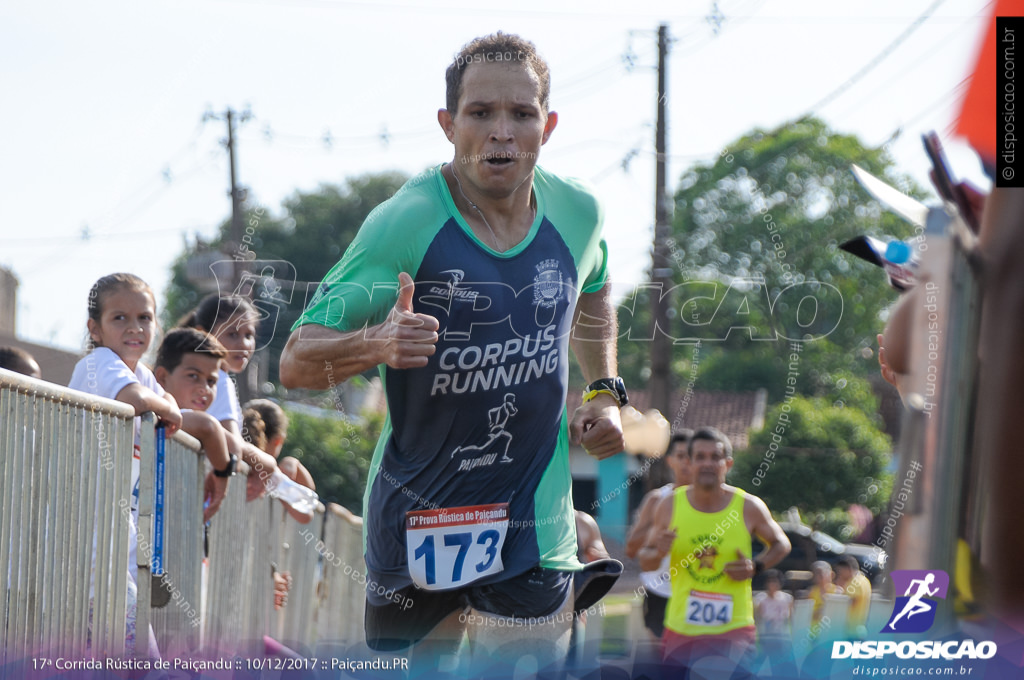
(547, 284)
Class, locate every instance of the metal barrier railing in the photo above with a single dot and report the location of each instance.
(936, 474)
(296, 622)
(341, 593)
(65, 461)
(239, 598)
(62, 488)
(175, 597)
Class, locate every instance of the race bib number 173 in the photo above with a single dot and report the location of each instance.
(452, 547)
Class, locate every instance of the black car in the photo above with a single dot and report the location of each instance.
(809, 546)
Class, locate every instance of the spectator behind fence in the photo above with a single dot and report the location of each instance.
(773, 613)
(821, 585)
(853, 583)
(122, 321)
(187, 365)
(18, 360)
(232, 320)
(275, 422)
(254, 430)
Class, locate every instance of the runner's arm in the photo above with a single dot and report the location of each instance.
(659, 537)
(317, 357)
(594, 334)
(769, 531)
(637, 535)
(596, 425)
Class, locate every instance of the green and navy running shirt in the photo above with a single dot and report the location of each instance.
(470, 479)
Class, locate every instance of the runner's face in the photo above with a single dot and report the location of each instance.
(679, 463)
(709, 464)
(499, 128)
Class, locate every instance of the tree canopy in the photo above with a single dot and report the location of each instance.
(310, 235)
(755, 256)
(816, 457)
(336, 452)
(312, 232)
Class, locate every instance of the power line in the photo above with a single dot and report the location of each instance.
(909, 68)
(867, 68)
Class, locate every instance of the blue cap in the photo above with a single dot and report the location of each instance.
(897, 252)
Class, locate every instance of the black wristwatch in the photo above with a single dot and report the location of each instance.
(230, 469)
(611, 386)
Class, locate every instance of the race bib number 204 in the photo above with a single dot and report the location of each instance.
(708, 609)
(452, 547)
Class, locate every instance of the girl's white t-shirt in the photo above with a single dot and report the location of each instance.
(103, 373)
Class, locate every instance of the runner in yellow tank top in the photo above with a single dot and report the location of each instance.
(707, 528)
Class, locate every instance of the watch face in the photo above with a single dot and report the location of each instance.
(620, 390)
(614, 385)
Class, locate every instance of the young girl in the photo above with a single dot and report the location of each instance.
(122, 321)
(232, 319)
(275, 431)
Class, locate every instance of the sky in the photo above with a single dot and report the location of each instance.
(107, 164)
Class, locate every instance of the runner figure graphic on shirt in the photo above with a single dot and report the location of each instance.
(497, 418)
(914, 604)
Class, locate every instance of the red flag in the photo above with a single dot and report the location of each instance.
(978, 114)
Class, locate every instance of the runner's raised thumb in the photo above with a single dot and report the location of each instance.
(405, 291)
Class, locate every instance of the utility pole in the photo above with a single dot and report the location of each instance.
(660, 384)
(237, 194)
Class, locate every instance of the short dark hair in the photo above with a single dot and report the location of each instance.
(678, 436)
(274, 417)
(710, 434)
(496, 48)
(16, 359)
(773, 575)
(182, 341)
(849, 561)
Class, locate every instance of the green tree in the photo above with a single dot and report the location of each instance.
(313, 231)
(755, 256)
(817, 457)
(337, 452)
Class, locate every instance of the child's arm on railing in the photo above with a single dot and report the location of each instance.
(143, 399)
(211, 435)
(263, 464)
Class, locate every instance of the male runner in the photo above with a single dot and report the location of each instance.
(657, 584)
(707, 529)
(505, 260)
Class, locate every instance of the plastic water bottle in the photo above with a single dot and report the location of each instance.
(900, 262)
(301, 498)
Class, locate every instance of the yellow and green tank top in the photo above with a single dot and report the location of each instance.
(705, 601)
